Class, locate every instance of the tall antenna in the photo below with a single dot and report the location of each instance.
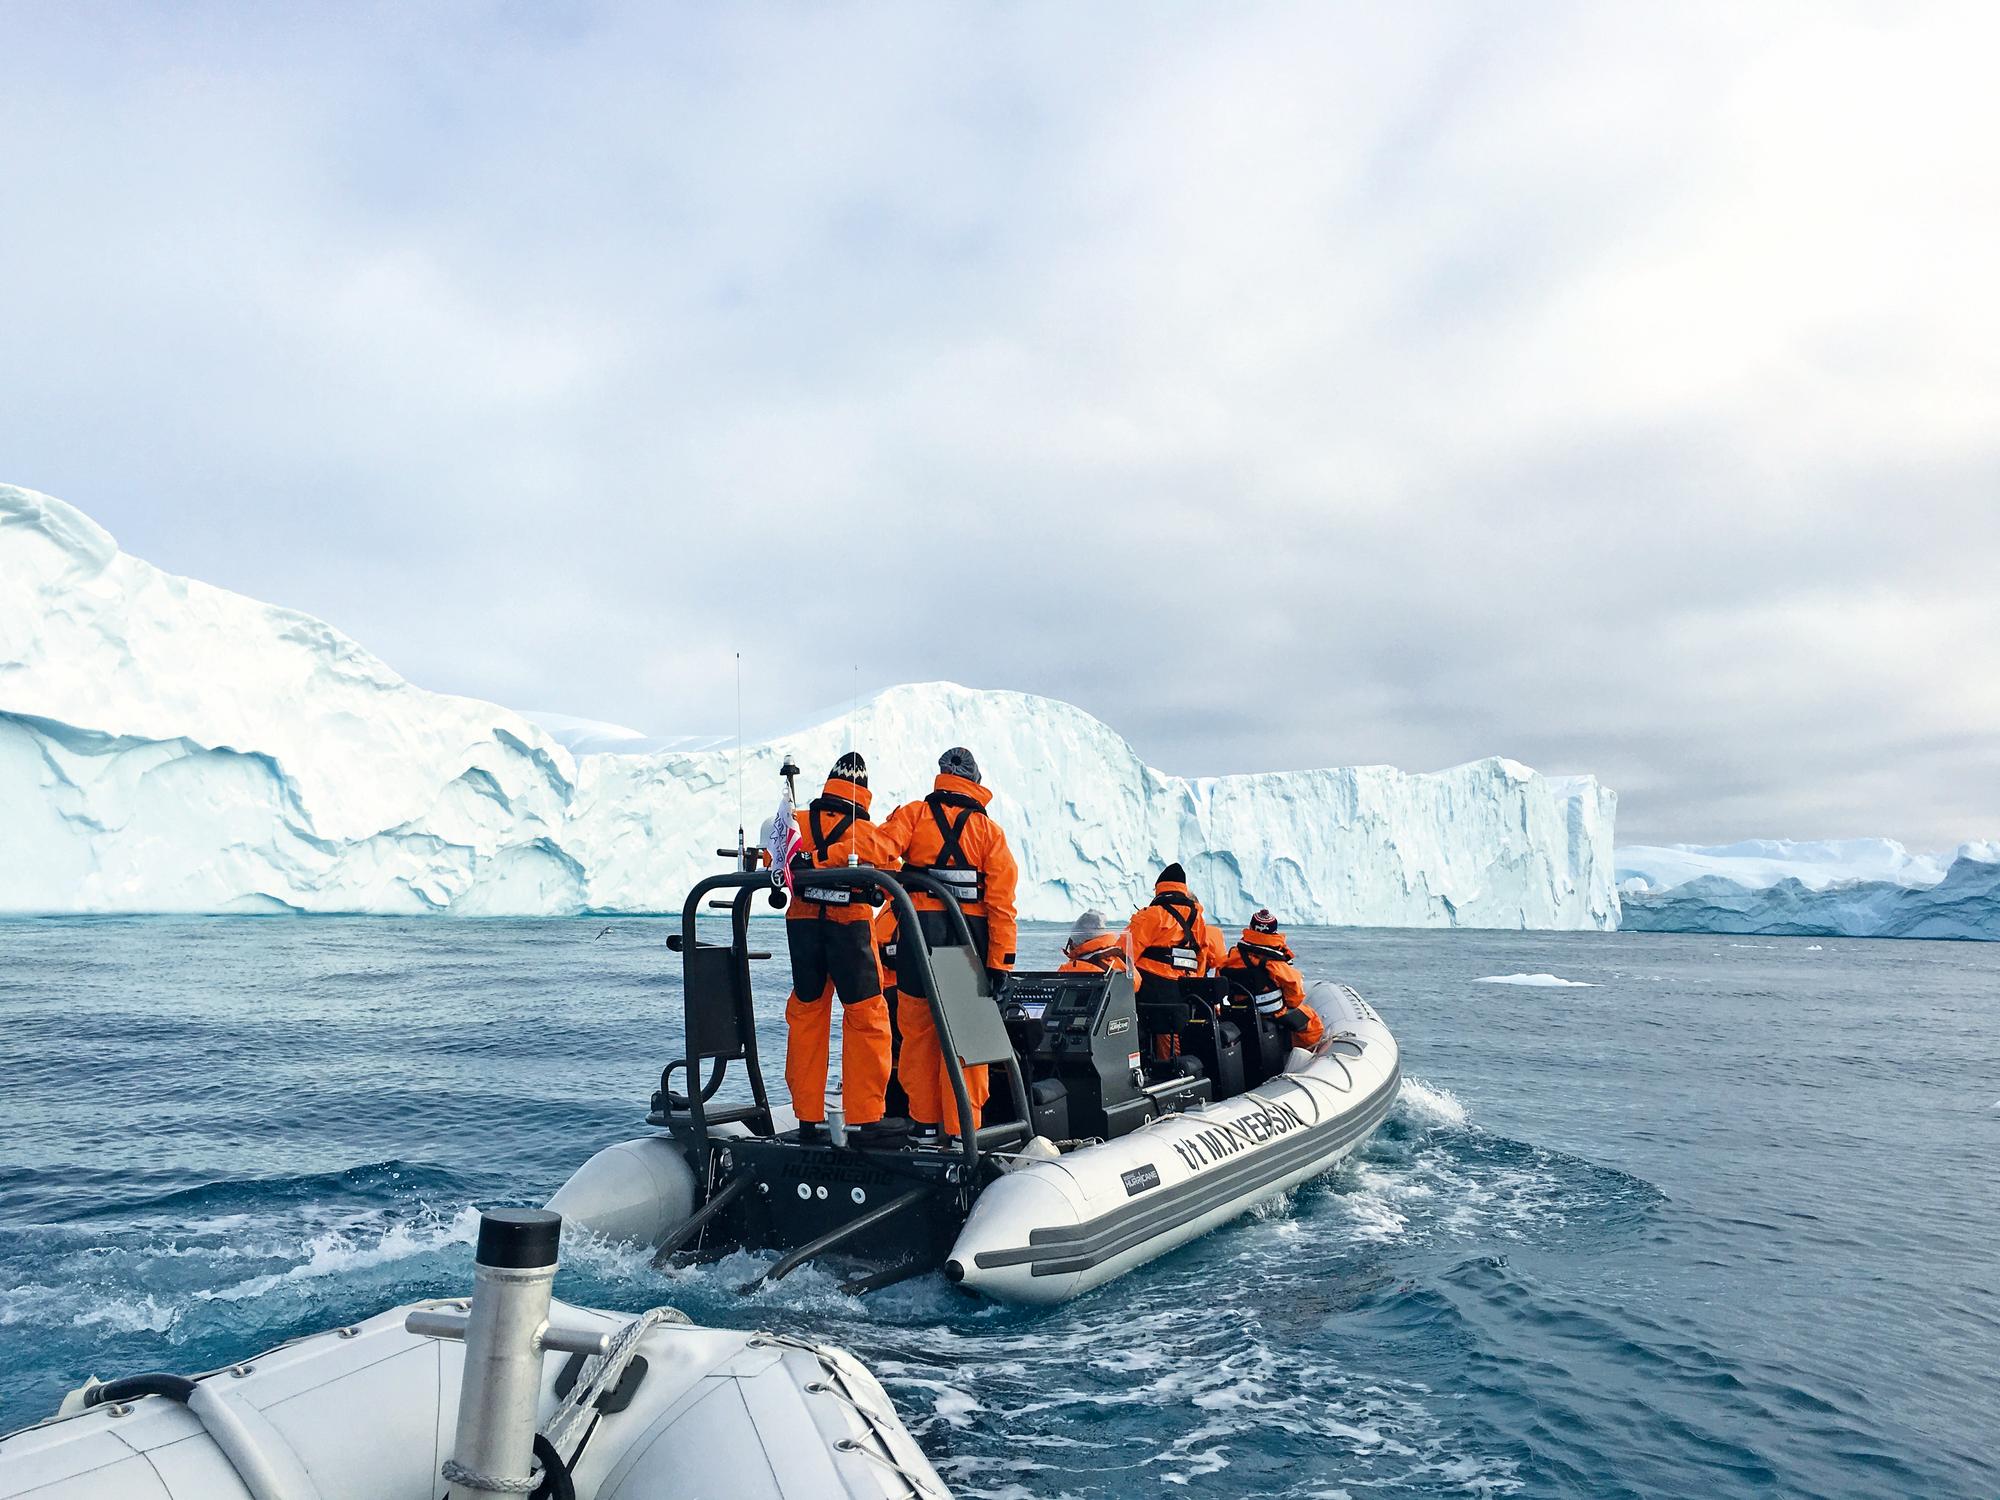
(854, 849)
(742, 849)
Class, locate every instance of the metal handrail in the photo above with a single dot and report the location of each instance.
(895, 887)
(746, 883)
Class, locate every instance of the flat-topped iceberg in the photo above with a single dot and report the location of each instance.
(1755, 863)
(169, 746)
(1841, 888)
(1490, 844)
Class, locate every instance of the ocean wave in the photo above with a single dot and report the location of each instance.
(339, 1253)
(1430, 1104)
(371, 1182)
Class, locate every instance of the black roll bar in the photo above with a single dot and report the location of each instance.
(855, 877)
(747, 884)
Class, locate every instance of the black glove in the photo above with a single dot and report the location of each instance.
(996, 981)
(1292, 1019)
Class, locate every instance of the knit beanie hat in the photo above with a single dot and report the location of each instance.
(1263, 922)
(1173, 873)
(958, 761)
(850, 767)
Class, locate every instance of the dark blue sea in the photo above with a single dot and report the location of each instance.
(1725, 1223)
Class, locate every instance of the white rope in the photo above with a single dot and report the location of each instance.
(601, 1373)
(914, 1481)
(875, 1421)
(455, 1472)
(821, 1388)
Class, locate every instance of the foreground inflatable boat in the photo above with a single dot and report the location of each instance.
(508, 1393)
(1125, 1127)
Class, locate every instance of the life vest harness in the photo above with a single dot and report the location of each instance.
(1099, 958)
(1255, 975)
(1183, 957)
(952, 866)
(822, 838)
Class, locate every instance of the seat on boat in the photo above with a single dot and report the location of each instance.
(1163, 1013)
(721, 1029)
(1190, 1012)
(1266, 1045)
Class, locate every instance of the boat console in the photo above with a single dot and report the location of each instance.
(1089, 1060)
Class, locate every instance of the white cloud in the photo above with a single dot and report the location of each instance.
(1611, 388)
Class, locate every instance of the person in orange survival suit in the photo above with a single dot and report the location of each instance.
(1171, 939)
(1261, 966)
(1093, 948)
(833, 953)
(949, 836)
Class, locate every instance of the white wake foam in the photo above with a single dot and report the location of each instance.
(1433, 1105)
(339, 1252)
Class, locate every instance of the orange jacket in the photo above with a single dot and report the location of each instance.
(1260, 963)
(1104, 954)
(834, 825)
(1171, 938)
(949, 835)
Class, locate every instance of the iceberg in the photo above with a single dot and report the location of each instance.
(1755, 863)
(1489, 844)
(169, 746)
(1784, 888)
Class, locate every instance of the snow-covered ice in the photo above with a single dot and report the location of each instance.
(1537, 981)
(1965, 904)
(1755, 863)
(1490, 844)
(169, 746)
(1839, 888)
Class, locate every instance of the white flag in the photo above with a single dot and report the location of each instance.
(784, 840)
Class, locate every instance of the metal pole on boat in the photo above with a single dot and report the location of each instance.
(512, 1273)
(505, 1334)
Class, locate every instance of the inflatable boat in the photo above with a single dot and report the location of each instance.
(506, 1393)
(1127, 1125)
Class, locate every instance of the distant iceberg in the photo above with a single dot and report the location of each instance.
(1843, 888)
(170, 746)
(1537, 981)
(1756, 863)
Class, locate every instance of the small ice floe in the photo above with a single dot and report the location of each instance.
(1540, 981)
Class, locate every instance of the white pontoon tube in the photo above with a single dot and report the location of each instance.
(668, 1411)
(1057, 1226)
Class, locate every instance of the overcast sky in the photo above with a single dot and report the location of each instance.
(1612, 387)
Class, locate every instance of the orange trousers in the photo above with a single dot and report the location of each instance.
(922, 1072)
(864, 1056)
